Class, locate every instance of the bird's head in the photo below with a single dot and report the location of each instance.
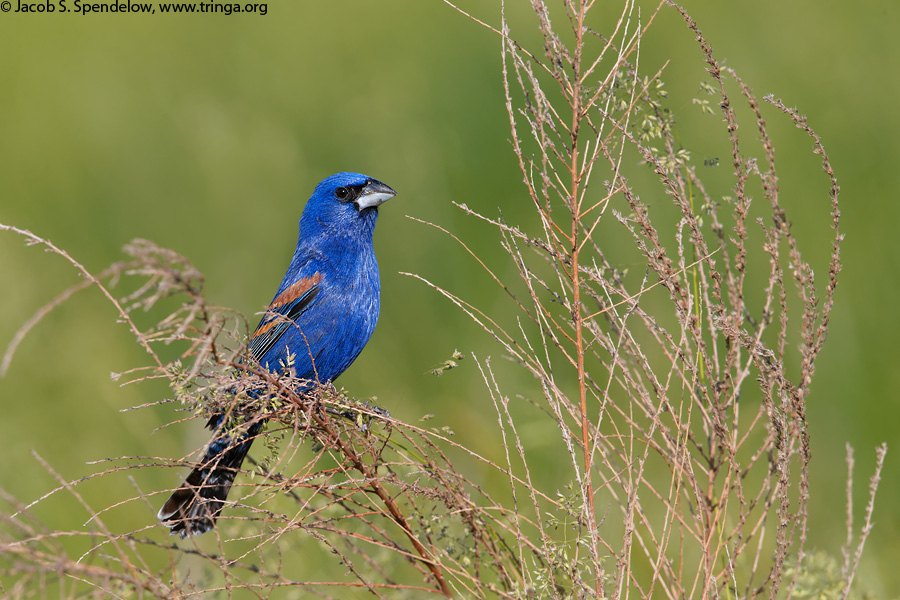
(347, 201)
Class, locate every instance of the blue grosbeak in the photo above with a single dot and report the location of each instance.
(323, 314)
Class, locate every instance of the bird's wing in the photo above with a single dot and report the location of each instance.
(283, 313)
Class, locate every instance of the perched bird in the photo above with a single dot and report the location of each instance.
(324, 312)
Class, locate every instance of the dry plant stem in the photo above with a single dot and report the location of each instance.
(32, 239)
(850, 572)
(846, 549)
(575, 207)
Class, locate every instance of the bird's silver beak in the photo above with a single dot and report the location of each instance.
(373, 194)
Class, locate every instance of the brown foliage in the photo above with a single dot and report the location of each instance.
(662, 351)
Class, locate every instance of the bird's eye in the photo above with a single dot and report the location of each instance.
(342, 193)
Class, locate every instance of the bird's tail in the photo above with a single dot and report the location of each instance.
(193, 508)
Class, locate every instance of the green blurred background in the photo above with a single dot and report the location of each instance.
(206, 133)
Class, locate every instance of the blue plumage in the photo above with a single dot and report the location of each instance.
(323, 314)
